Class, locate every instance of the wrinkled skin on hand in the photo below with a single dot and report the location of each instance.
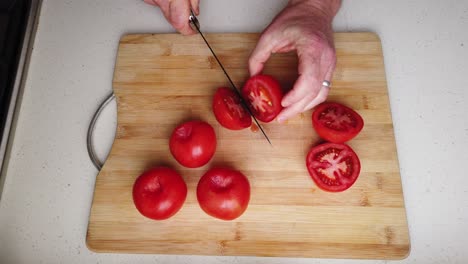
(177, 12)
(304, 26)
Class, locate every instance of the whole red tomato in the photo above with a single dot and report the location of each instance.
(223, 193)
(334, 167)
(228, 110)
(193, 143)
(159, 193)
(336, 123)
(263, 95)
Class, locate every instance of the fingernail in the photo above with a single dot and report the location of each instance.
(280, 120)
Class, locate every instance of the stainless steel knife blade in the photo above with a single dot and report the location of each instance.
(195, 24)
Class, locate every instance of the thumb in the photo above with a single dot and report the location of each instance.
(195, 4)
(260, 54)
(179, 12)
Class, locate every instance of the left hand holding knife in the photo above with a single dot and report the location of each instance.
(177, 12)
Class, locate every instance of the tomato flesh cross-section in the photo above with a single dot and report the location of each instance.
(263, 94)
(333, 167)
(336, 123)
(259, 100)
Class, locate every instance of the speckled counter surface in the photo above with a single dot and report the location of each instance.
(49, 184)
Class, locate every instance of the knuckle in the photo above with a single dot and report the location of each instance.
(314, 93)
(319, 41)
(315, 39)
(293, 32)
(311, 94)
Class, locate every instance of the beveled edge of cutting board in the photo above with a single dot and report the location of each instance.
(407, 251)
(405, 254)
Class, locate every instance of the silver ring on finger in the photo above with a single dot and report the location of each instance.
(326, 83)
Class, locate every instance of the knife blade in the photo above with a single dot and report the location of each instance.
(195, 24)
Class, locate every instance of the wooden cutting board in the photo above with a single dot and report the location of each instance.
(162, 80)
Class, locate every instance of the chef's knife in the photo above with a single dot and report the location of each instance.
(195, 24)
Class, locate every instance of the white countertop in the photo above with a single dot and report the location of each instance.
(50, 180)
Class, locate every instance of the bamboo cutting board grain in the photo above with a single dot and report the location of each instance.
(162, 80)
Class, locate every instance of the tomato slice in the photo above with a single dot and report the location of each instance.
(336, 123)
(334, 167)
(263, 95)
(228, 110)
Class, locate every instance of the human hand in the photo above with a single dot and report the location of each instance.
(306, 27)
(177, 13)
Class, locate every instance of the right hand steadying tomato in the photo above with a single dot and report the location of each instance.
(263, 95)
(304, 26)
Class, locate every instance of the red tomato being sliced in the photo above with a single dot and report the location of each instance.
(159, 193)
(223, 193)
(263, 95)
(336, 123)
(333, 167)
(229, 111)
(193, 143)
